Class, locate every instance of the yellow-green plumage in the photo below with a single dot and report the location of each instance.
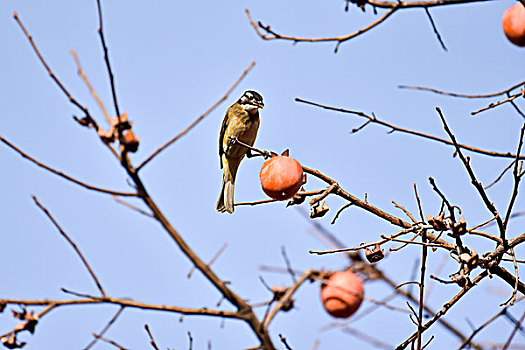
(243, 125)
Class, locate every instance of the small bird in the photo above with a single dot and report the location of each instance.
(240, 122)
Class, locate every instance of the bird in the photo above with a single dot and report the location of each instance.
(241, 122)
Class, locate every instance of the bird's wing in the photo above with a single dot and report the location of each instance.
(221, 135)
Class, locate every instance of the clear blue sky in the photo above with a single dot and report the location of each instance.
(172, 60)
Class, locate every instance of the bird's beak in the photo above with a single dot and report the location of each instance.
(260, 105)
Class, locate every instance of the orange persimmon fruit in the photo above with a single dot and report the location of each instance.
(514, 24)
(281, 177)
(343, 294)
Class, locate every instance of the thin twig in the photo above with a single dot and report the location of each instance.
(264, 201)
(503, 92)
(200, 118)
(407, 213)
(441, 312)
(339, 39)
(108, 65)
(376, 343)
(438, 36)
(490, 206)
(517, 178)
(151, 339)
(212, 260)
(412, 132)
(73, 245)
(512, 297)
(288, 264)
(90, 87)
(132, 207)
(500, 175)
(287, 296)
(499, 103)
(421, 289)
(61, 174)
(363, 246)
(105, 329)
(52, 75)
(109, 341)
(516, 327)
(336, 216)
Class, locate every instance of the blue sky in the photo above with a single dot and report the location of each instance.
(172, 60)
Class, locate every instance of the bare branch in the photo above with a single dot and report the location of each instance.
(84, 77)
(490, 206)
(200, 118)
(438, 36)
(73, 245)
(105, 329)
(411, 132)
(441, 312)
(61, 174)
(52, 75)
(517, 177)
(339, 39)
(108, 65)
(421, 88)
(151, 340)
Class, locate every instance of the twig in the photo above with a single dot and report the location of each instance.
(264, 201)
(421, 289)
(288, 264)
(485, 324)
(447, 203)
(411, 217)
(84, 77)
(52, 75)
(336, 216)
(285, 343)
(132, 207)
(190, 340)
(517, 178)
(93, 300)
(151, 340)
(105, 329)
(439, 245)
(503, 92)
(500, 175)
(412, 132)
(363, 246)
(108, 65)
(61, 174)
(73, 245)
(512, 298)
(339, 39)
(441, 312)
(516, 327)
(378, 344)
(109, 341)
(438, 36)
(499, 103)
(196, 121)
(323, 195)
(212, 260)
(490, 206)
(287, 296)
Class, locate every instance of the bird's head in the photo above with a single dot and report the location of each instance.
(251, 101)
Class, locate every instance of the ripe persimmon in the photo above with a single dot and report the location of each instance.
(343, 294)
(281, 177)
(514, 24)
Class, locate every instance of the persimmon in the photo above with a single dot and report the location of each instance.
(514, 24)
(343, 294)
(281, 177)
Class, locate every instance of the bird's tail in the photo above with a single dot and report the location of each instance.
(225, 202)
